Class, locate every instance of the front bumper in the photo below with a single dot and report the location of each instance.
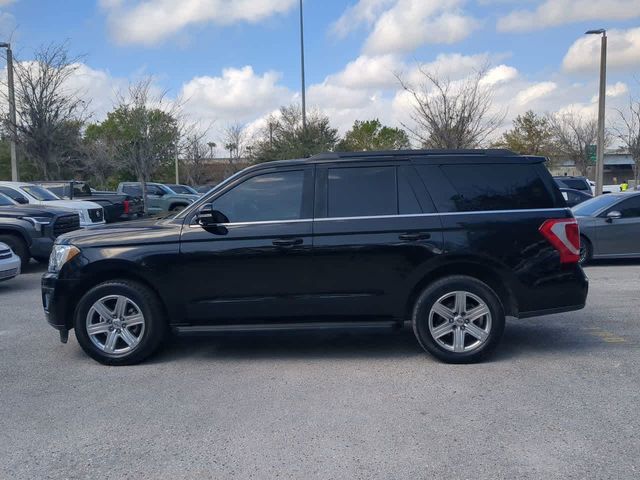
(56, 294)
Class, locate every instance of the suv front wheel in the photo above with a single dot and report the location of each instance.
(458, 319)
(120, 322)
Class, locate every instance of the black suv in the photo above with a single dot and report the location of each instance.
(30, 230)
(451, 241)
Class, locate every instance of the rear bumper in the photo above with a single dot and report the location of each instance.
(56, 294)
(562, 293)
(9, 268)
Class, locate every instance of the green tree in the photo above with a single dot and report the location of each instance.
(284, 137)
(142, 138)
(372, 135)
(531, 135)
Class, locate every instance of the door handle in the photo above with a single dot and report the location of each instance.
(412, 237)
(287, 242)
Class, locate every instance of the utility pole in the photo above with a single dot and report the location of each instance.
(304, 103)
(601, 108)
(12, 111)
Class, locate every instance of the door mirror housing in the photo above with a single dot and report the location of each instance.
(209, 217)
(613, 215)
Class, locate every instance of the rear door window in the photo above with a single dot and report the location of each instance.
(629, 208)
(487, 187)
(362, 191)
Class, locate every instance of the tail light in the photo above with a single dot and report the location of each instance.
(126, 206)
(564, 235)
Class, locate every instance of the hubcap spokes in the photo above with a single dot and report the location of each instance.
(115, 324)
(460, 322)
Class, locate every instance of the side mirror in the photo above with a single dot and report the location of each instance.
(613, 215)
(208, 217)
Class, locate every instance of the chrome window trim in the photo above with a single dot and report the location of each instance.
(408, 215)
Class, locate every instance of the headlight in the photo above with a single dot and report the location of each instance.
(60, 255)
(38, 222)
(83, 215)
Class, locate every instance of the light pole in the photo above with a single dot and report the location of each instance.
(12, 110)
(304, 103)
(601, 112)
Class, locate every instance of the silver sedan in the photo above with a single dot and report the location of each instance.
(609, 226)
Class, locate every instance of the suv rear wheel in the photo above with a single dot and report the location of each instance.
(120, 322)
(458, 319)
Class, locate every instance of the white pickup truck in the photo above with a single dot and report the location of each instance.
(25, 193)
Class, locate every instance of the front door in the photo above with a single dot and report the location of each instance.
(256, 266)
(621, 236)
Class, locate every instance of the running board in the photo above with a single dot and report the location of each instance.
(279, 327)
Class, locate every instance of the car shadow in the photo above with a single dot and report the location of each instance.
(613, 262)
(520, 339)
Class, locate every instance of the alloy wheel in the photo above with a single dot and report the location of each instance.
(460, 322)
(115, 324)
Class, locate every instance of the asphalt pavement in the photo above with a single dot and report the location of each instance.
(560, 399)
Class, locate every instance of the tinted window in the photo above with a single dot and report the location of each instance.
(13, 194)
(497, 187)
(573, 183)
(271, 196)
(359, 192)
(407, 197)
(155, 190)
(133, 190)
(594, 205)
(629, 208)
(40, 193)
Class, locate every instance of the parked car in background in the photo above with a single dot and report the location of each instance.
(30, 230)
(181, 189)
(9, 263)
(28, 194)
(205, 188)
(575, 183)
(116, 206)
(160, 198)
(353, 240)
(609, 226)
(574, 197)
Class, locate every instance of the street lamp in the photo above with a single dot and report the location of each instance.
(601, 113)
(12, 110)
(304, 106)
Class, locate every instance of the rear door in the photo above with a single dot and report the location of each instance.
(621, 236)
(374, 227)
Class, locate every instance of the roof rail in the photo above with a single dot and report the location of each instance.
(495, 152)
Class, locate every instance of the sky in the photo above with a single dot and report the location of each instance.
(237, 61)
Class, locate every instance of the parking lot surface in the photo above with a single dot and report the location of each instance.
(559, 400)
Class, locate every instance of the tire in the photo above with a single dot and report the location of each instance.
(439, 330)
(19, 247)
(586, 250)
(110, 345)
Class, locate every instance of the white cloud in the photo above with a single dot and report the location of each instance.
(148, 22)
(623, 51)
(498, 75)
(616, 90)
(534, 92)
(369, 72)
(402, 25)
(239, 95)
(552, 13)
(4, 3)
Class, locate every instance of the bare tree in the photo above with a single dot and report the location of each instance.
(235, 142)
(452, 114)
(49, 112)
(628, 132)
(572, 134)
(195, 154)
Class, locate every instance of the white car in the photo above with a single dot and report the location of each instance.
(9, 263)
(25, 193)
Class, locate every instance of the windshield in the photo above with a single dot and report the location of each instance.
(6, 201)
(594, 205)
(40, 193)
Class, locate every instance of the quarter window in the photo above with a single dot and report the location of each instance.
(267, 197)
(362, 191)
(497, 187)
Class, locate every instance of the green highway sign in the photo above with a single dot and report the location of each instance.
(592, 153)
